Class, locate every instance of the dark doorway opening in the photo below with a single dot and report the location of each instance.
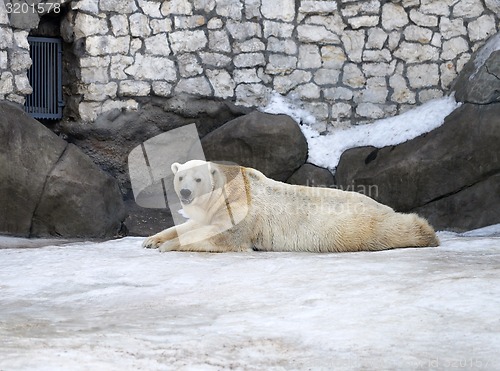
(45, 76)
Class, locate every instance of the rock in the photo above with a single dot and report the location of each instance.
(272, 144)
(109, 140)
(312, 176)
(438, 172)
(479, 81)
(49, 187)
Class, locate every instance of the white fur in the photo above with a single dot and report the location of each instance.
(239, 209)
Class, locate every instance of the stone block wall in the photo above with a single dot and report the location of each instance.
(348, 61)
(14, 60)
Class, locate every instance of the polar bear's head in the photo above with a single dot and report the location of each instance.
(195, 181)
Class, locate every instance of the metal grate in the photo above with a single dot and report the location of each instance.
(45, 77)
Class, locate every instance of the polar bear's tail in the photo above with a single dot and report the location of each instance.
(410, 230)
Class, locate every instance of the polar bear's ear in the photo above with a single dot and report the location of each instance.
(175, 167)
(217, 176)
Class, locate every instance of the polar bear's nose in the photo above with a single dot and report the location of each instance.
(185, 192)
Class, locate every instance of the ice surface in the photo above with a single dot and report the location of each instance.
(325, 150)
(116, 306)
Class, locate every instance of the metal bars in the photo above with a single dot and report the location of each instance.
(45, 77)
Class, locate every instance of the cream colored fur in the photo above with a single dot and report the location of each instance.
(239, 209)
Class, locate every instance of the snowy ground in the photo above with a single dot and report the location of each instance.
(325, 150)
(116, 306)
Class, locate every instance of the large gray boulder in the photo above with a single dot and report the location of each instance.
(449, 175)
(312, 176)
(49, 187)
(109, 140)
(452, 174)
(272, 144)
(479, 81)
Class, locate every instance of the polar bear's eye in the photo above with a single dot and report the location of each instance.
(198, 180)
(180, 179)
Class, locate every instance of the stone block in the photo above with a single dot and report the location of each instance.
(150, 8)
(106, 45)
(416, 53)
(287, 46)
(160, 25)
(452, 27)
(482, 28)
(152, 68)
(370, 111)
(436, 7)
(383, 55)
(246, 60)
(118, 6)
(376, 38)
(162, 88)
(249, 46)
(119, 25)
(139, 25)
(453, 48)
(324, 76)
(252, 95)
(87, 25)
(20, 60)
(393, 16)
(307, 91)
(423, 76)
(244, 30)
(99, 92)
(283, 84)
(157, 45)
(222, 83)
(468, 9)
(189, 65)
(401, 93)
(189, 22)
(353, 76)
(423, 20)
(187, 41)
(278, 29)
(118, 65)
(332, 57)
(194, 85)
(176, 7)
(337, 93)
(316, 34)
(363, 21)
(248, 75)
(309, 57)
(215, 59)
(281, 64)
(6, 38)
(418, 34)
(283, 10)
(229, 9)
(354, 42)
(132, 88)
(218, 41)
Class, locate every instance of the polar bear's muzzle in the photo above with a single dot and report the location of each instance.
(186, 196)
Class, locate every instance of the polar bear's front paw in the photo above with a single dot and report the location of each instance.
(169, 246)
(153, 242)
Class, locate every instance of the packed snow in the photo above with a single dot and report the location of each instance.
(114, 305)
(325, 150)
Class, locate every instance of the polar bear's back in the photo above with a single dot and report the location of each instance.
(287, 217)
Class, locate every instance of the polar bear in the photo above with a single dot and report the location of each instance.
(234, 208)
